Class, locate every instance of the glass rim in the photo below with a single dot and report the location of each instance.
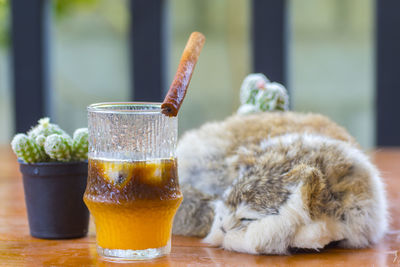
(112, 107)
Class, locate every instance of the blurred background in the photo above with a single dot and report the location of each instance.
(328, 63)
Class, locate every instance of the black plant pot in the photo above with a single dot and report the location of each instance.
(54, 199)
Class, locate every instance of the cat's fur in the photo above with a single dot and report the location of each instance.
(266, 182)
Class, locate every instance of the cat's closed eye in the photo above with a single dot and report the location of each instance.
(247, 219)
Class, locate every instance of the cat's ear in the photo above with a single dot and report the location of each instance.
(195, 215)
(314, 190)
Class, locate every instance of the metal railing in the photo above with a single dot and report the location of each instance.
(148, 56)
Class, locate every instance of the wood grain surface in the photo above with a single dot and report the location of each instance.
(18, 248)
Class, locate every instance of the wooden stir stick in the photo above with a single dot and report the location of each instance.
(177, 91)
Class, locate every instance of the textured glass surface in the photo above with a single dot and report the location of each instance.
(132, 191)
(116, 254)
(132, 132)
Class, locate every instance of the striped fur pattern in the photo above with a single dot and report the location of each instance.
(266, 182)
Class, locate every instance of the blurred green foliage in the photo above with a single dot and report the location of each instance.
(4, 23)
(61, 9)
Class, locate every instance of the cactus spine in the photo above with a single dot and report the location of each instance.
(45, 128)
(58, 147)
(27, 149)
(48, 142)
(80, 144)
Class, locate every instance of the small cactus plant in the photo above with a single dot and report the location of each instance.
(258, 94)
(45, 128)
(58, 147)
(80, 143)
(48, 142)
(26, 148)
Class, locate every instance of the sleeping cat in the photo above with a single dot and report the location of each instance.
(270, 181)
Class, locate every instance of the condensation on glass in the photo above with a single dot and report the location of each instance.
(133, 190)
(133, 132)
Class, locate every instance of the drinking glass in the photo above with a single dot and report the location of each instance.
(132, 191)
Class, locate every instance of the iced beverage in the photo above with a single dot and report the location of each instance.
(132, 190)
(133, 203)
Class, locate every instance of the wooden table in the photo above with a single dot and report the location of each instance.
(18, 248)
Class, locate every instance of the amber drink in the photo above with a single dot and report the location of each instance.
(133, 191)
